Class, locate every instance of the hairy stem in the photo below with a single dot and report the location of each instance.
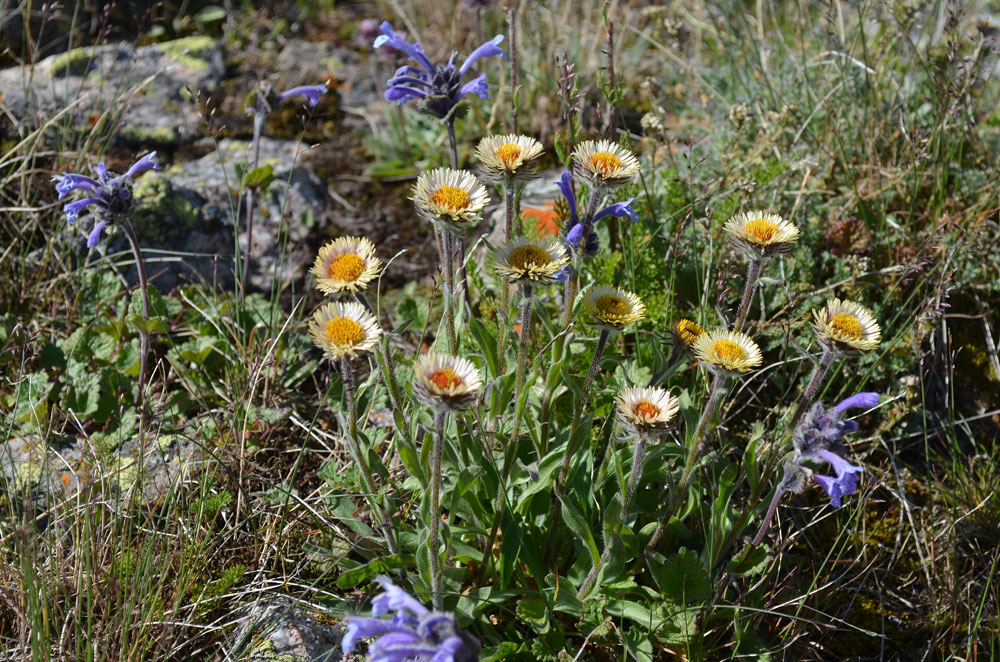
(140, 266)
(435, 533)
(771, 510)
(449, 290)
(753, 274)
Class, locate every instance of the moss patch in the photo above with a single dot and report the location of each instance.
(74, 62)
(154, 136)
(189, 51)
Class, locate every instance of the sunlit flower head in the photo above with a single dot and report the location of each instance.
(453, 198)
(535, 262)
(442, 381)
(646, 408)
(760, 235)
(413, 634)
(344, 329)
(686, 332)
(604, 163)
(109, 195)
(730, 352)
(612, 307)
(346, 264)
(510, 156)
(847, 327)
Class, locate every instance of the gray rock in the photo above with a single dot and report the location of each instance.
(278, 630)
(139, 89)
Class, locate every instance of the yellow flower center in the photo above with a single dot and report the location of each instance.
(847, 325)
(688, 331)
(727, 350)
(451, 197)
(645, 409)
(761, 229)
(508, 153)
(526, 256)
(347, 267)
(605, 162)
(445, 378)
(344, 331)
(610, 306)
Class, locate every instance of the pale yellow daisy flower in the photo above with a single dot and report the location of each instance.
(605, 163)
(759, 235)
(454, 198)
(612, 307)
(343, 329)
(442, 381)
(687, 332)
(346, 264)
(536, 262)
(508, 156)
(731, 352)
(847, 327)
(646, 408)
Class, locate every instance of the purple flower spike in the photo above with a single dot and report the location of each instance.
(74, 209)
(438, 88)
(574, 226)
(413, 634)
(310, 92)
(846, 481)
(859, 401)
(66, 183)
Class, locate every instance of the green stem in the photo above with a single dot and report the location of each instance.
(449, 290)
(508, 194)
(140, 266)
(435, 533)
(753, 274)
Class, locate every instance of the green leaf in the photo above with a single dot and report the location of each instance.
(498, 653)
(259, 178)
(487, 343)
(682, 579)
(578, 525)
(751, 561)
(535, 613)
(379, 566)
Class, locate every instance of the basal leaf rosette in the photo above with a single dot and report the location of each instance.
(646, 408)
(443, 381)
(529, 261)
(344, 329)
(452, 198)
(509, 156)
(729, 352)
(612, 307)
(346, 264)
(847, 327)
(760, 235)
(604, 163)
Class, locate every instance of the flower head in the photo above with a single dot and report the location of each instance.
(612, 307)
(511, 156)
(760, 235)
(846, 481)
(604, 163)
(438, 87)
(110, 195)
(646, 408)
(442, 381)
(847, 327)
(686, 332)
(343, 329)
(310, 92)
(730, 352)
(346, 264)
(573, 230)
(453, 198)
(537, 262)
(413, 634)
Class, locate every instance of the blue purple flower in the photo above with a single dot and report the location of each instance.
(310, 92)
(439, 88)
(413, 633)
(574, 225)
(846, 481)
(110, 194)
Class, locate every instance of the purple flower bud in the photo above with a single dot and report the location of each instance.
(859, 401)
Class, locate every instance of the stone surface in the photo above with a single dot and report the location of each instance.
(279, 630)
(141, 90)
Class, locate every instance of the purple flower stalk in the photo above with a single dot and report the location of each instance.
(110, 194)
(574, 225)
(412, 634)
(439, 87)
(310, 92)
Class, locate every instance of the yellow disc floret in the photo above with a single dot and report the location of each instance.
(347, 267)
(611, 307)
(762, 229)
(847, 325)
(445, 378)
(344, 331)
(529, 255)
(688, 331)
(728, 350)
(605, 162)
(645, 409)
(451, 197)
(509, 153)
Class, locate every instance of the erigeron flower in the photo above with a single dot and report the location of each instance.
(730, 352)
(346, 264)
(760, 235)
(536, 262)
(509, 156)
(604, 163)
(646, 408)
(686, 332)
(453, 198)
(439, 87)
(612, 307)
(442, 381)
(110, 194)
(413, 634)
(344, 329)
(847, 327)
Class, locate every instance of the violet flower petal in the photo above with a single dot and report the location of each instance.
(859, 401)
(831, 486)
(415, 52)
(565, 184)
(67, 183)
(101, 170)
(73, 209)
(395, 599)
(620, 210)
(489, 49)
(147, 162)
(450, 647)
(478, 85)
(310, 92)
(402, 93)
(95, 234)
